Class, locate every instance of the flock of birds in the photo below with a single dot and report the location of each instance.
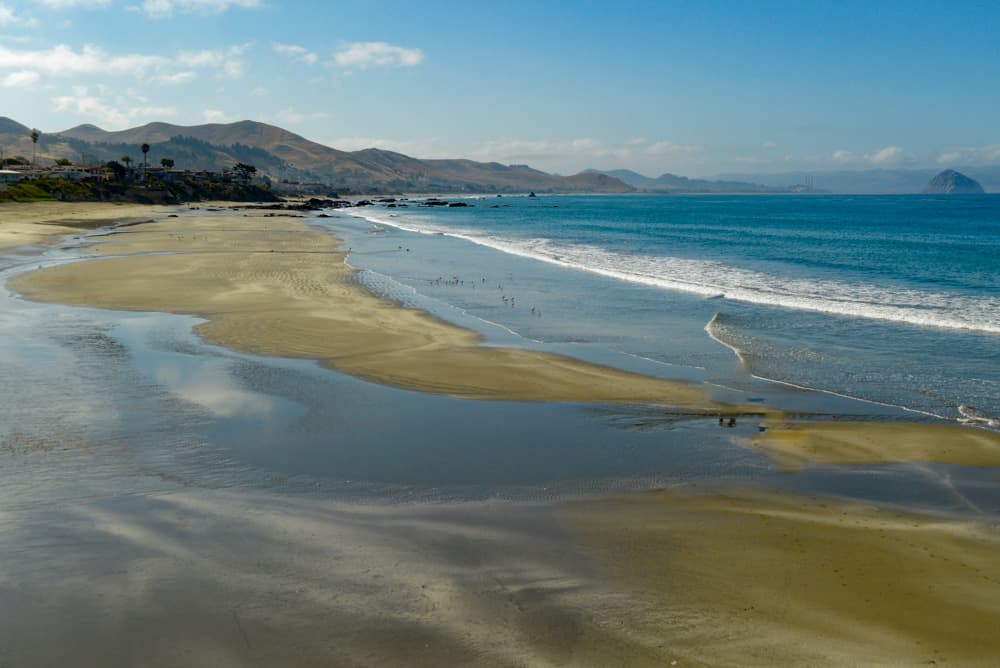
(456, 282)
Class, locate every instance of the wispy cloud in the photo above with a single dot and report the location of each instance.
(66, 4)
(22, 79)
(176, 78)
(9, 18)
(161, 9)
(976, 155)
(295, 52)
(227, 62)
(377, 54)
(583, 151)
(553, 154)
(890, 155)
(65, 61)
(214, 116)
(293, 116)
(118, 112)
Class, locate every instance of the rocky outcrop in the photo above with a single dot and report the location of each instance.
(950, 182)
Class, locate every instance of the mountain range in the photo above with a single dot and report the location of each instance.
(874, 181)
(671, 183)
(283, 155)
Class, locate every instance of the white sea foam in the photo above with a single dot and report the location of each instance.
(714, 279)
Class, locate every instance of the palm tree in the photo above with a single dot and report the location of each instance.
(35, 134)
(145, 149)
(167, 163)
(127, 160)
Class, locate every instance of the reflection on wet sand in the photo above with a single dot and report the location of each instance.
(239, 578)
(751, 578)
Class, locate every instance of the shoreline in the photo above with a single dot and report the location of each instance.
(315, 310)
(712, 575)
(273, 285)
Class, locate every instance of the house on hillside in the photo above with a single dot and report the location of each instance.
(78, 172)
(9, 176)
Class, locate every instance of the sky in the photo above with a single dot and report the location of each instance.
(693, 88)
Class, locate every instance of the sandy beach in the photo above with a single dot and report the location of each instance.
(39, 222)
(688, 577)
(273, 286)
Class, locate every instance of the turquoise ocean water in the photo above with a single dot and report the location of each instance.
(890, 299)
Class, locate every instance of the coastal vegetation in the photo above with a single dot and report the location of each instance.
(118, 188)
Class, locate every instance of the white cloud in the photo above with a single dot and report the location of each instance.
(768, 145)
(373, 54)
(843, 156)
(227, 62)
(177, 78)
(977, 155)
(295, 52)
(214, 116)
(670, 148)
(291, 115)
(421, 148)
(9, 18)
(159, 9)
(259, 91)
(21, 79)
(561, 155)
(890, 155)
(63, 60)
(582, 152)
(120, 112)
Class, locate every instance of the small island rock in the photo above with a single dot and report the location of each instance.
(950, 182)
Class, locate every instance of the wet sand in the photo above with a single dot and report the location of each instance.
(273, 286)
(751, 578)
(792, 446)
(242, 577)
(23, 224)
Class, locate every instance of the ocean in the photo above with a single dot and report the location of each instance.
(890, 300)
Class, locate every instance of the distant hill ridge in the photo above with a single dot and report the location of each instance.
(281, 154)
(671, 183)
(876, 181)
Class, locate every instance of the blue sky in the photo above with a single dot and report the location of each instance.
(694, 88)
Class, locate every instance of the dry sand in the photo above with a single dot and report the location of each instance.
(23, 224)
(273, 286)
(766, 579)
